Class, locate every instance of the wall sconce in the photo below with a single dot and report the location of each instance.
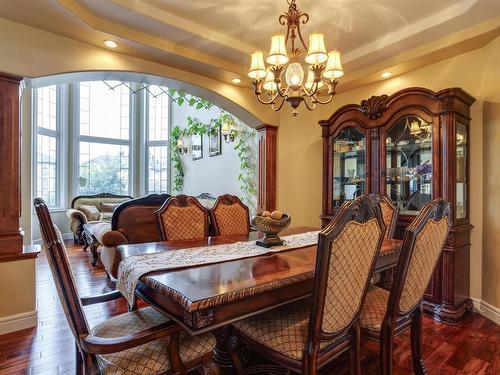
(228, 130)
(180, 146)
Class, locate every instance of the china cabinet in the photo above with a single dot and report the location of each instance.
(413, 147)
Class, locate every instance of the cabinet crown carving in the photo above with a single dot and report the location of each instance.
(374, 106)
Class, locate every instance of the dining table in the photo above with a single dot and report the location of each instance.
(209, 297)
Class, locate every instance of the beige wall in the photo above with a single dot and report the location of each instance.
(491, 204)
(300, 147)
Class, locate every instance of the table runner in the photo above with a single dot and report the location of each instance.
(133, 267)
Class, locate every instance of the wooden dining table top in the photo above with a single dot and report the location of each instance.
(207, 296)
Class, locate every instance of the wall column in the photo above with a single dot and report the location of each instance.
(268, 155)
(11, 240)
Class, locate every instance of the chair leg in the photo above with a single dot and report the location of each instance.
(416, 342)
(355, 352)
(79, 361)
(386, 344)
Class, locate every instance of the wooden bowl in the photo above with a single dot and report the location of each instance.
(267, 225)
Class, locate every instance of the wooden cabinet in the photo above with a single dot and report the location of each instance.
(412, 146)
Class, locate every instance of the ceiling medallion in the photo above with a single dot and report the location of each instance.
(323, 68)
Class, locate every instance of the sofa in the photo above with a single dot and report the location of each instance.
(92, 208)
(133, 222)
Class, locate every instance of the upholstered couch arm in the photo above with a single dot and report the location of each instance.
(76, 215)
(114, 238)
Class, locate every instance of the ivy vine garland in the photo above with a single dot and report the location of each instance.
(244, 137)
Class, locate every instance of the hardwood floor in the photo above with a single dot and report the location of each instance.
(473, 348)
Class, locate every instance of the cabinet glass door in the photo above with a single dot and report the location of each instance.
(461, 173)
(409, 163)
(349, 165)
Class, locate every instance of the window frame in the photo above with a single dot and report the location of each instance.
(77, 138)
(155, 143)
(59, 135)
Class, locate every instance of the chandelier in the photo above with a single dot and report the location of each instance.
(323, 69)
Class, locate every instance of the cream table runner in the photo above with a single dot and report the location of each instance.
(133, 267)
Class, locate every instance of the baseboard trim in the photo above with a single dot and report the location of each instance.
(489, 311)
(18, 322)
(65, 236)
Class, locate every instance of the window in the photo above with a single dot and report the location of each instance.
(104, 140)
(157, 141)
(47, 171)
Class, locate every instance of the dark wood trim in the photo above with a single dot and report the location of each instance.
(267, 136)
(29, 252)
(11, 239)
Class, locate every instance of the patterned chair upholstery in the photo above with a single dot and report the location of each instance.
(229, 216)
(139, 342)
(306, 336)
(385, 314)
(182, 217)
(390, 212)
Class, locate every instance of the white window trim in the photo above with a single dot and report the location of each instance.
(59, 134)
(77, 138)
(148, 144)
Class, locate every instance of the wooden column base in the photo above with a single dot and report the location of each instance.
(448, 314)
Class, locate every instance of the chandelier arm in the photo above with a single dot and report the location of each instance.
(312, 107)
(313, 90)
(304, 21)
(280, 106)
(270, 101)
(323, 102)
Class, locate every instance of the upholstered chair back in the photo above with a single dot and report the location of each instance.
(61, 271)
(229, 216)
(182, 217)
(423, 242)
(390, 212)
(347, 252)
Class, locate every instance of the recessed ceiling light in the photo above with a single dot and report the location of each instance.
(386, 74)
(236, 80)
(110, 43)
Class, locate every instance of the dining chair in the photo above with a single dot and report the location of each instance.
(307, 335)
(138, 342)
(390, 212)
(388, 314)
(229, 216)
(182, 217)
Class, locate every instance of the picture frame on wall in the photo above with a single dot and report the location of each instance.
(215, 142)
(197, 146)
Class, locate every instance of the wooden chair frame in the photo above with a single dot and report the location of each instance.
(391, 227)
(395, 322)
(180, 201)
(88, 345)
(348, 339)
(226, 199)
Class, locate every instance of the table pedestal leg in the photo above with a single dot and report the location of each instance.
(222, 357)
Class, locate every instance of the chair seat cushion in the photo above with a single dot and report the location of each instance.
(374, 308)
(283, 330)
(148, 358)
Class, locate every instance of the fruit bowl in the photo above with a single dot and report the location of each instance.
(270, 227)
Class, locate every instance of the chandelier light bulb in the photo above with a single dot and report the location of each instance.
(257, 67)
(333, 68)
(316, 53)
(310, 80)
(269, 84)
(277, 53)
(294, 75)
